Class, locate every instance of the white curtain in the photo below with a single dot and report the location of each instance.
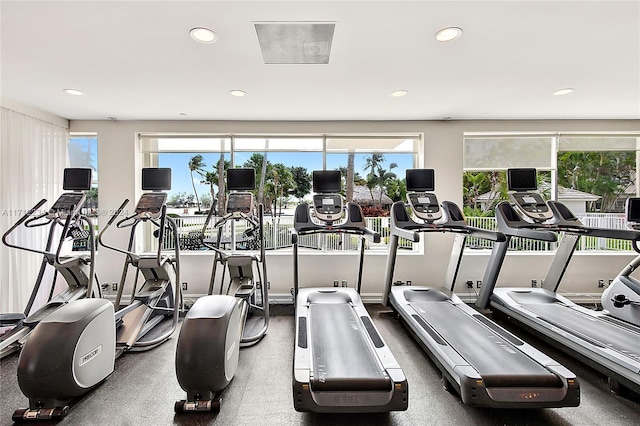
(33, 155)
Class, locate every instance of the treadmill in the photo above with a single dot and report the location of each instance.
(341, 363)
(605, 343)
(484, 363)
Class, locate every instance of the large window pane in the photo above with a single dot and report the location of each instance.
(507, 152)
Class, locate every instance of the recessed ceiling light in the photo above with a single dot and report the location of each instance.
(448, 34)
(564, 91)
(73, 92)
(203, 35)
(399, 93)
(237, 93)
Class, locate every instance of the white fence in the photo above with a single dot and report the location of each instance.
(278, 235)
(278, 232)
(592, 220)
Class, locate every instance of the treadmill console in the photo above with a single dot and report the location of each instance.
(531, 206)
(151, 203)
(425, 206)
(66, 203)
(239, 202)
(328, 207)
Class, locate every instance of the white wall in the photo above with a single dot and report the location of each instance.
(120, 161)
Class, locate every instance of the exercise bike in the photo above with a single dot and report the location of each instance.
(65, 221)
(622, 298)
(214, 328)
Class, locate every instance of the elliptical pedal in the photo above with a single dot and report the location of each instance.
(28, 414)
(198, 405)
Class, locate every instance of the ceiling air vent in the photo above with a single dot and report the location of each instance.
(295, 42)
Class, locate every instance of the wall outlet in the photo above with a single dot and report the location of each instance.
(478, 283)
(184, 286)
(268, 285)
(469, 284)
(114, 286)
(408, 282)
(534, 283)
(600, 283)
(104, 286)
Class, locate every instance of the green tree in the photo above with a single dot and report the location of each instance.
(302, 179)
(216, 179)
(385, 177)
(258, 162)
(196, 164)
(607, 174)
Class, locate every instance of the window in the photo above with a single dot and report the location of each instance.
(593, 175)
(379, 163)
(83, 152)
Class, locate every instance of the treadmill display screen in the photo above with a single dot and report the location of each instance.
(424, 200)
(633, 210)
(420, 180)
(521, 180)
(527, 199)
(327, 202)
(326, 181)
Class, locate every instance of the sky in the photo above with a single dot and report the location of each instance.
(181, 179)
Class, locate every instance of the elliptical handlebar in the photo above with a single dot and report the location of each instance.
(22, 220)
(110, 222)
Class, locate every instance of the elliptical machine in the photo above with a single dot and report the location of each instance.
(76, 269)
(622, 298)
(159, 296)
(70, 349)
(214, 328)
(74, 349)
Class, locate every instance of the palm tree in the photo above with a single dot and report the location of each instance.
(196, 164)
(350, 175)
(384, 178)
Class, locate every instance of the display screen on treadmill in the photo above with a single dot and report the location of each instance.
(633, 210)
(529, 199)
(420, 180)
(521, 180)
(327, 201)
(424, 200)
(326, 181)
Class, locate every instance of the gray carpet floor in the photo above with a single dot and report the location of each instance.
(143, 389)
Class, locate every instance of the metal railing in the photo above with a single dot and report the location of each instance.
(593, 220)
(277, 232)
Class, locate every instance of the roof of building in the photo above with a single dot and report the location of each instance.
(362, 195)
(564, 194)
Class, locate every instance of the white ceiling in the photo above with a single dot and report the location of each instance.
(136, 60)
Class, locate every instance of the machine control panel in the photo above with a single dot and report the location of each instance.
(66, 203)
(151, 203)
(328, 207)
(425, 206)
(531, 206)
(240, 202)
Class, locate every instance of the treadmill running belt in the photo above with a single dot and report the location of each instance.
(606, 333)
(497, 360)
(342, 358)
